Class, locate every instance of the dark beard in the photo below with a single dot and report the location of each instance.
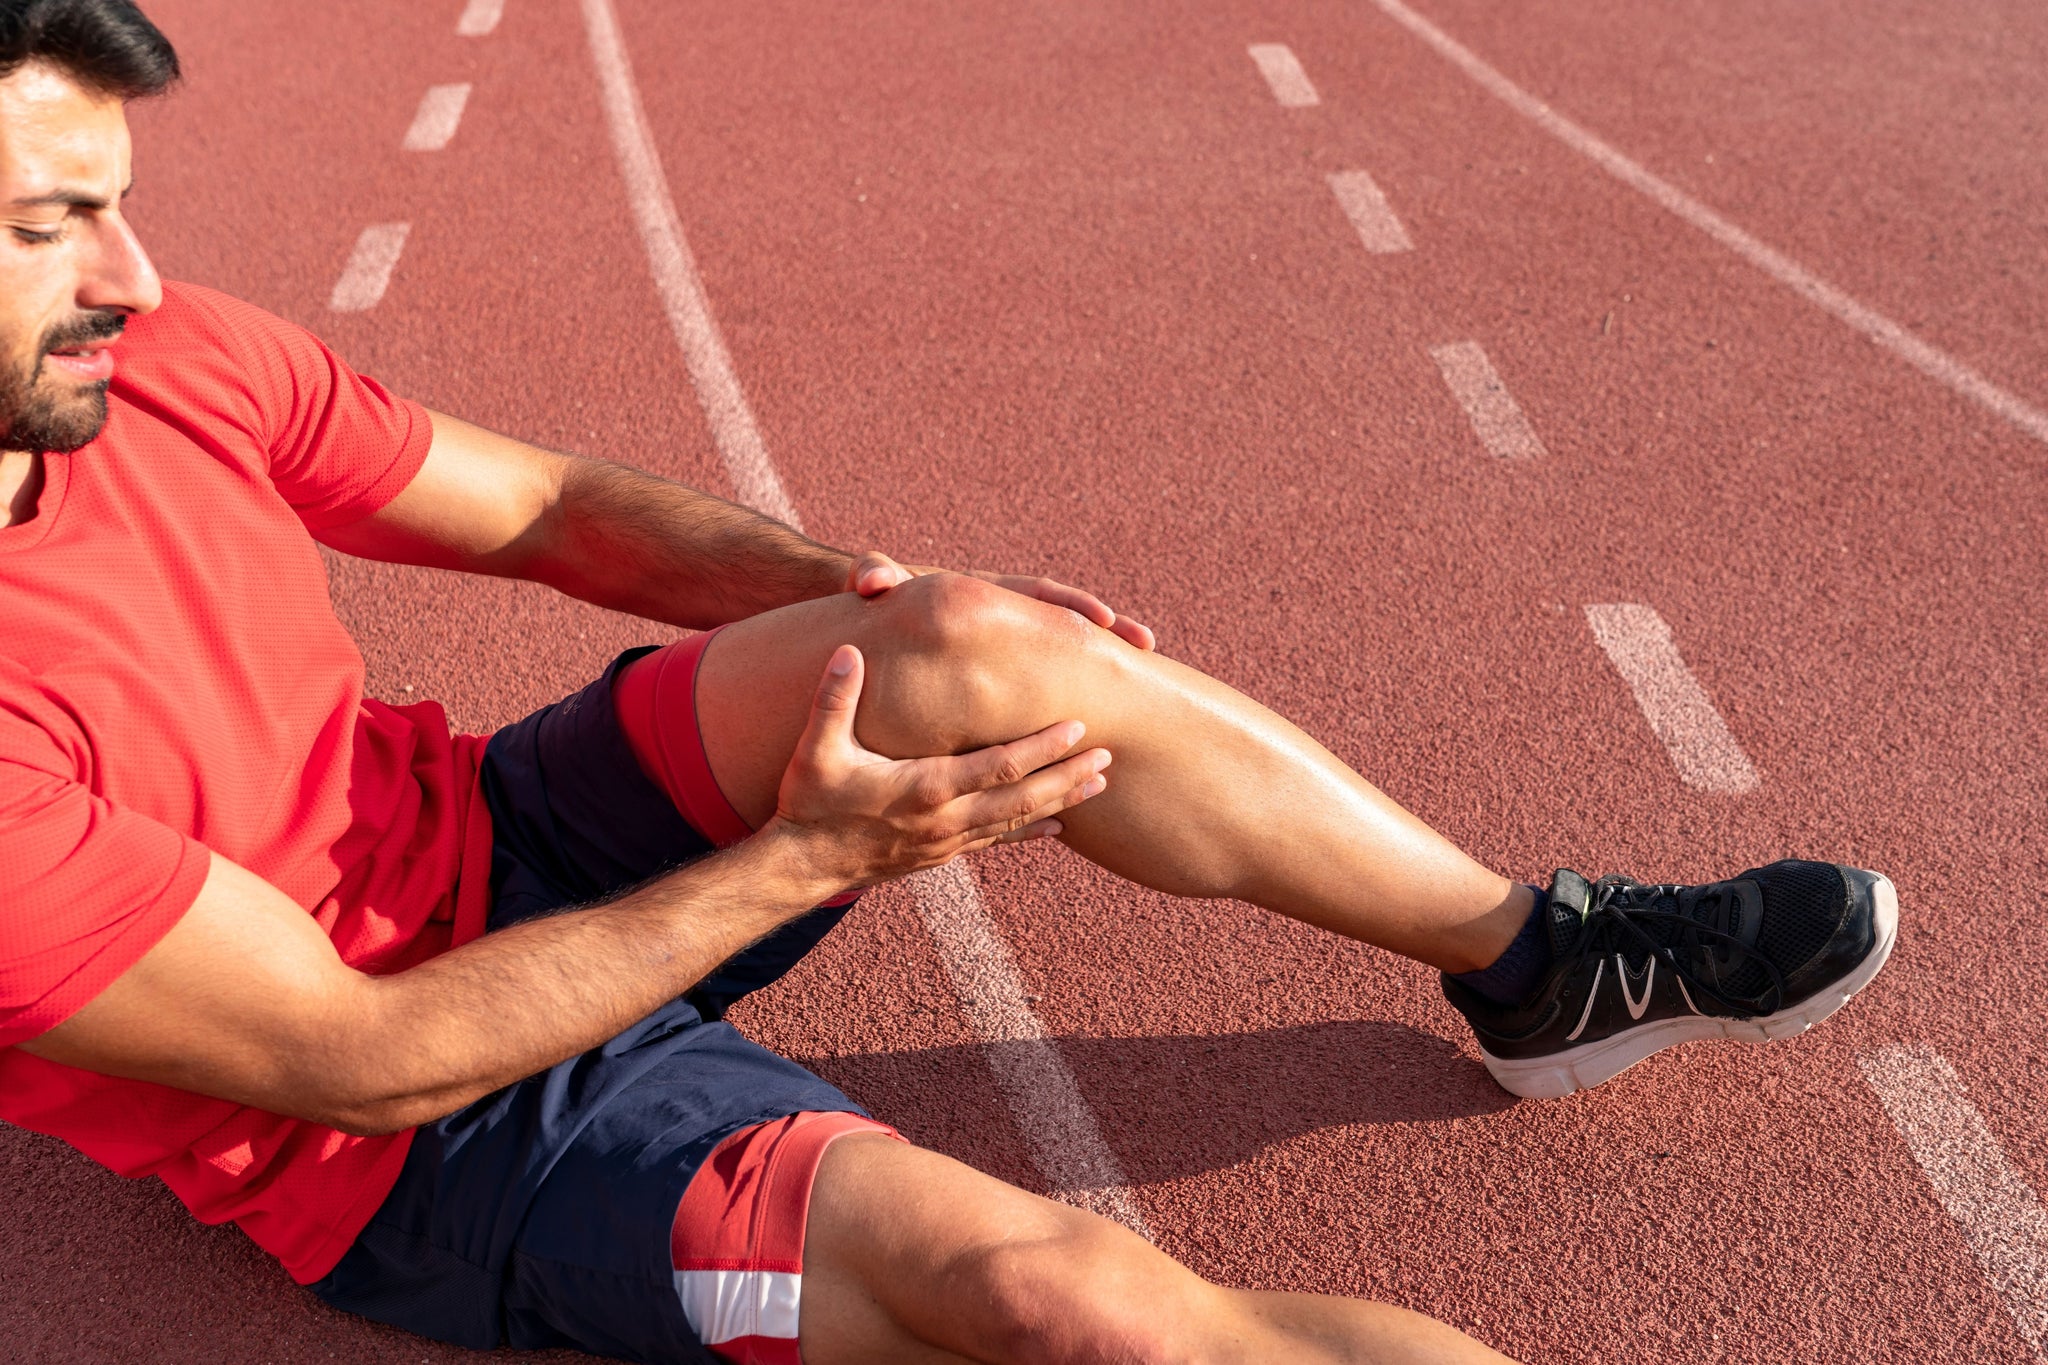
(33, 418)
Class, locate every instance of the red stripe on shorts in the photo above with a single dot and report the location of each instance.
(737, 1243)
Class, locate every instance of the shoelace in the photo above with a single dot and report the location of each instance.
(1618, 910)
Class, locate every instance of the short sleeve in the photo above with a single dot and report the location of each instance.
(85, 890)
(341, 445)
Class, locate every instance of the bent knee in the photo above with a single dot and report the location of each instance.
(965, 618)
(1087, 1297)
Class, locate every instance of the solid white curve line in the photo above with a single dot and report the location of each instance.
(2000, 1215)
(440, 114)
(1931, 361)
(1677, 707)
(1043, 1095)
(1496, 416)
(1370, 213)
(368, 272)
(1049, 1107)
(675, 276)
(479, 17)
(1282, 70)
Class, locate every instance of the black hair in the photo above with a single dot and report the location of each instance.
(104, 45)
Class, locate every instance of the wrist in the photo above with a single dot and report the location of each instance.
(796, 861)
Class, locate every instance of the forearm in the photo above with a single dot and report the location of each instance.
(517, 1001)
(625, 539)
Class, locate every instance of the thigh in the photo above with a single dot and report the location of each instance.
(914, 1257)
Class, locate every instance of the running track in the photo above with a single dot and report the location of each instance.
(1067, 286)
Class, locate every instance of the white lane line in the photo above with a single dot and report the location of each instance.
(2001, 1217)
(1370, 213)
(754, 480)
(479, 18)
(440, 114)
(368, 272)
(1282, 70)
(1931, 361)
(1677, 707)
(1049, 1106)
(1495, 414)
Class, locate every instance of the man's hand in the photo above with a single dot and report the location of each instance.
(859, 818)
(875, 573)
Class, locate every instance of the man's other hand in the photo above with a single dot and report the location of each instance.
(874, 573)
(860, 818)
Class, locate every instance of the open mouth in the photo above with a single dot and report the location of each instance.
(90, 361)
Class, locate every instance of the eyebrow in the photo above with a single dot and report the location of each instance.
(68, 199)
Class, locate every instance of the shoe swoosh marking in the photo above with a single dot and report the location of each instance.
(1686, 993)
(1599, 970)
(1649, 979)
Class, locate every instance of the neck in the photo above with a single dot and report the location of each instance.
(21, 483)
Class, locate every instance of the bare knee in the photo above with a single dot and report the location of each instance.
(995, 657)
(1088, 1296)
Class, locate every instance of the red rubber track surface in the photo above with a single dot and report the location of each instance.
(1058, 286)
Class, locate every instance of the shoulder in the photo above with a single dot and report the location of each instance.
(194, 320)
(228, 357)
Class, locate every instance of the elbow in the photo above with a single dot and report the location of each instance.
(373, 1118)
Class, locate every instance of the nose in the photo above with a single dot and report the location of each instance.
(120, 274)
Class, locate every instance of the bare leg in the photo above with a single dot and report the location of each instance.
(1210, 794)
(911, 1258)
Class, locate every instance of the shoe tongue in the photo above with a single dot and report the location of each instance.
(1571, 896)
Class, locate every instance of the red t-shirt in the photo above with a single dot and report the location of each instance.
(172, 680)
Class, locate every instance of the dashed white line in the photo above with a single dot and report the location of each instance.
(368, 272)
(1680, 714)
(440, 114)
(1929, 360)
(2001, 1217)
(1049, 1106)
(480, 17)
(1496, 417)
(675, 275)
(1282, 70)
(1370, 213)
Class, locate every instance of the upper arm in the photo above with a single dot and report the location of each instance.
(244, 999)
(480, 502)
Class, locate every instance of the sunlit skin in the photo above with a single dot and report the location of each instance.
(66, 250)
(909, 1256)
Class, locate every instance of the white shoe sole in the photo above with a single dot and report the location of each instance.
(1583, 1067)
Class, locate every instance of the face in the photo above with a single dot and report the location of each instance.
(71, 270)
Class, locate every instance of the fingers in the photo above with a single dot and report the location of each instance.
(1000, 764)
(828, 733)
(1087, 604)
(1129, 630)
(1091, 608)
(1044, 793)
(874, 573)
(1042, 829)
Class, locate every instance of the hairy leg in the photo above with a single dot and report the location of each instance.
(1210, 793)
(911, 1258)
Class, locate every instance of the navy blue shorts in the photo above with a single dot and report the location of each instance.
(540, 1216)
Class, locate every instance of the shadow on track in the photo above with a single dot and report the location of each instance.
(1185, 1104)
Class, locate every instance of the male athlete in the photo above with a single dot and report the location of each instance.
(437, 1018)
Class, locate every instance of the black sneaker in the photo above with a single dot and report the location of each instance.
(1637, 968)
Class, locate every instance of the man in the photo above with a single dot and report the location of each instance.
(437, 1019)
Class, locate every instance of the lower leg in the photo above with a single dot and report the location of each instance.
(911, 1257)
(1210, 794)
